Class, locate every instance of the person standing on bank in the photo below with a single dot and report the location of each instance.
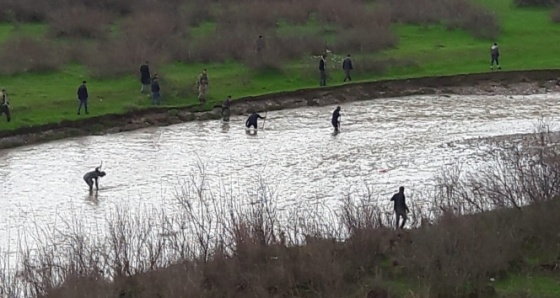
(83, 97)
(323, 70)
(156, 96)
(347, 67)
(5, 105)
(202, 86)
(400, 207)
(495, 56)
(145, 77)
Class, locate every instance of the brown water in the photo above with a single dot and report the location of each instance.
(297, 155)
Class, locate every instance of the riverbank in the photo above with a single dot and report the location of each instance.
(492, 83)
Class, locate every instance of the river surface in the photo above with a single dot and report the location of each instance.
(383, 143)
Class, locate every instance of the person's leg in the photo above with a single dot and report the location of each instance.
(80, 105)
(89, 182)
(158, 98)
(153, 98)
(498, 63)
(404, 217)
(397, 217)
(8, 115)
(85, 105)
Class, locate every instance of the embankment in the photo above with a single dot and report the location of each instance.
(492, 83)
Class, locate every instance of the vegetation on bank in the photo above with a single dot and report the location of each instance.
(490, 233)
(47, 49)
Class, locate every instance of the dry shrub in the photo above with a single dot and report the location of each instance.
(538, 3)
(153, 41)
(26, 54)
(24, 10)
(555, 14)
(79, 21)
(462, 13)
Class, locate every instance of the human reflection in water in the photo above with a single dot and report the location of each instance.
(93, 198)
(225, 127)
(251, 132)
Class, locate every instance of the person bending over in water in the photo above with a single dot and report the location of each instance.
(252, 120)
(336, 119)
(93, 175)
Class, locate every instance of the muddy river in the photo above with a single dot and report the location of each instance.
(383, 143)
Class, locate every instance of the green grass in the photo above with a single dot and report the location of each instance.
(528, 40)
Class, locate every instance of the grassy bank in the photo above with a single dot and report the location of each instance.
(493, 234)
(407, 44)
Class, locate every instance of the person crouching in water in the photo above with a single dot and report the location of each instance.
(225, 109)
(336, 119)
(252, 120)
(91, 176)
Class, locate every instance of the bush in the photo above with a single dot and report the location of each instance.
(79, 21)
(538, 3)
(555, 15)
(26, 54)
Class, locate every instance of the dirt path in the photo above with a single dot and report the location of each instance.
(495, 83)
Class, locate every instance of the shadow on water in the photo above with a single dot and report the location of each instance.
(93, 198)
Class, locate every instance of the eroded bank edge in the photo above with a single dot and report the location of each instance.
(491, 83)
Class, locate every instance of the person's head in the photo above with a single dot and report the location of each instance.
(401, 189)
(102, 174)
(3, 90)
(324, 56)
(338, 108)
(348, 55)
(84, 82)
(496, 44)
(229, 97)
(146, 62)
(260, 36)
(205, 70)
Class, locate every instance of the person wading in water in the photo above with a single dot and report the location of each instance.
(336, 119)
(89, 178)
(252, 120)
(225, 109)
(400, 207)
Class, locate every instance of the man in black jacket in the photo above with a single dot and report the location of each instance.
(93, 176)
(156, 96)
(401, 209)
(347, 66)
(83, 97)
(145, 77)
(252, 120)
(323, 70)
(336, 119)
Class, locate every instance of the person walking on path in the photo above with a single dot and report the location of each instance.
(145, 77)
(400, 207)
(347, 67)
(323, 70)
(156, 96)
(202, 86)
(83, 97)
(494, 56)
(5, 105)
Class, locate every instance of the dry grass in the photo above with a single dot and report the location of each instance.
(555, 15)
(160, 32)
(25, 54)
(536, 3)
(476, 227)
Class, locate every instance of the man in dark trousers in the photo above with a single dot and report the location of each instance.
(156, 96)
(336, 119)
(225, 109)
(83, 97)
(252, 120)
(145, 77)
(92, 176)
(347, 66)
(5, 105)
(323, 70)
(400, 207)
(494, 56)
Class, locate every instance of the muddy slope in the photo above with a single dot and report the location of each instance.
(494, 83)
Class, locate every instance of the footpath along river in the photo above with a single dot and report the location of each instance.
(297, 155)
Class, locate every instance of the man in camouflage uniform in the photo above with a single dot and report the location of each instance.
(202, 86)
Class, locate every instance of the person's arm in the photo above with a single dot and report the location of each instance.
(261, 117)
(96, 184)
